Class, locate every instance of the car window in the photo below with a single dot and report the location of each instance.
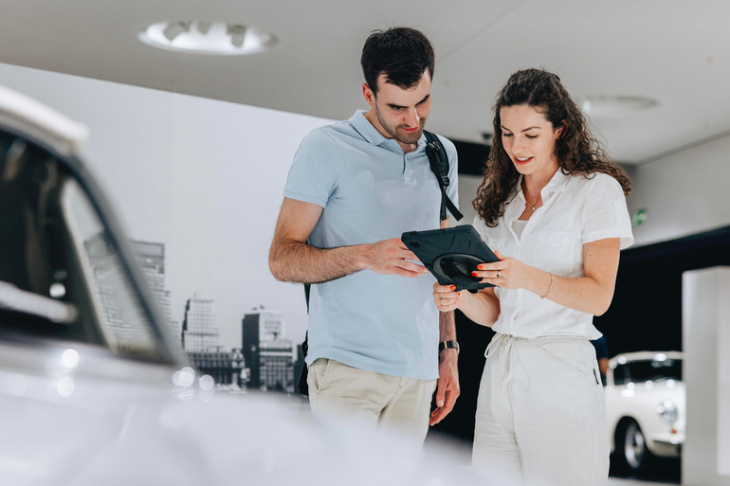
(619, 375)
(61, 276)
(654, 370)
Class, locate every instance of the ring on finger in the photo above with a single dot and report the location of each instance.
(498, 275)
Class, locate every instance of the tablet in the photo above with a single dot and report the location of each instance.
(451, 254)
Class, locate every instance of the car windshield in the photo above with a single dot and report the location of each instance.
(61, 276)
(653, 370)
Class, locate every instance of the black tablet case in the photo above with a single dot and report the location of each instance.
(451, 254)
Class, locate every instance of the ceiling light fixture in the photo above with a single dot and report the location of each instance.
(203, 37)
(174, 29)
(597, 106)
(238, 34)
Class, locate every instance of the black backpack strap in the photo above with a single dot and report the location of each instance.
(307, 290)
(439, 161)
(303, 386)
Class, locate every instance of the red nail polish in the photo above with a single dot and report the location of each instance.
(453, 287)
(480, 267)
(473, 274)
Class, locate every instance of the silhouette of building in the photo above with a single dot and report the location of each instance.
(269, 356)
(126, 327)
(276, 369)
(151, 259)
(250, 347)
(200, 342)
(199, 333)
(223, 366)
(241, 372)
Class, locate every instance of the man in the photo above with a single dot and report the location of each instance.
(354, 187)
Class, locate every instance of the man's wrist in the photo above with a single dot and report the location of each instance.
(449, 345)
(362, 256)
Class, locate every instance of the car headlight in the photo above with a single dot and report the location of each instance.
(667, 412)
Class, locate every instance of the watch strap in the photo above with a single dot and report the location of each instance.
(449, 344)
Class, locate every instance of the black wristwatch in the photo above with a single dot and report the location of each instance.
(449, 344)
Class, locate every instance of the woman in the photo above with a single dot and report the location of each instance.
(552, 207)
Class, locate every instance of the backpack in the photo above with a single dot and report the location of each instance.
(439, 162)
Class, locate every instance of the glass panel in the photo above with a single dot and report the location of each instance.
(619, 375)
(60, 276)
(122, 320)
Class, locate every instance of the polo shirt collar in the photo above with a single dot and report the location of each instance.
(370, 133)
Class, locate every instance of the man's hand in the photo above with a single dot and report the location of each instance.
(390, 257)
(448, 388)
(291, 259)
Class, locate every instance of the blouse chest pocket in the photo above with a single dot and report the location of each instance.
(559, 252)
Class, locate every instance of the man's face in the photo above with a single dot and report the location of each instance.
(400, 113)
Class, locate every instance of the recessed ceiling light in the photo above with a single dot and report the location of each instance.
(201, 37)
(615, 105)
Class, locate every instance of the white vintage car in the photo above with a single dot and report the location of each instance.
(645, 407)
(92, 389)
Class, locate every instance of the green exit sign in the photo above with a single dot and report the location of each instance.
(639, 217)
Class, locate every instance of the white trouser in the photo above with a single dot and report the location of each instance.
(390, 403)
(541, 412)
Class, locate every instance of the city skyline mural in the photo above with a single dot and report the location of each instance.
(263, 359)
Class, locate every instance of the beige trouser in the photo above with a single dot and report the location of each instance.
(541, 414)
(387, 402)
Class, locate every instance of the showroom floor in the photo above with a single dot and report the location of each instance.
(664, 472)
(632, 482)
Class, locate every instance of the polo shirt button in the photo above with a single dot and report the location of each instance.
(505, 339)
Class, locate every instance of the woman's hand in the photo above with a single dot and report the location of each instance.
(446, 298)
(507, 273)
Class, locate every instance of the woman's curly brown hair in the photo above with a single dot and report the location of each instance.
(576, 151)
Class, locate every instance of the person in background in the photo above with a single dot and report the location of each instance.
(552, 207)
(378, 347)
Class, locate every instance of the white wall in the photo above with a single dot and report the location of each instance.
(204, 177)
(468, 185)
(684, 193)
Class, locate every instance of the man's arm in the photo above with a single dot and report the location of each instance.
(291, 259)
(448, 388)
(603, 365)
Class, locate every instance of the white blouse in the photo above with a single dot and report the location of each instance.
(575, 211)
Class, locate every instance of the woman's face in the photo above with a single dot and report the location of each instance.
(529, 140)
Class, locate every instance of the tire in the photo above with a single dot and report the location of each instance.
(631, 453)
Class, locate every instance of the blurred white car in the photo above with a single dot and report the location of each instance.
(645, 407)
(92, 389)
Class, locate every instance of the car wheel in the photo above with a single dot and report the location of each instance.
(631, 451)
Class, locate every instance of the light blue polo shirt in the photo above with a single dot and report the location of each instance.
(370, 190)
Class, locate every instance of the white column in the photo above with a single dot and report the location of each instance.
(706, 343)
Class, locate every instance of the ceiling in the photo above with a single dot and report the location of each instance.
(676, 52)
